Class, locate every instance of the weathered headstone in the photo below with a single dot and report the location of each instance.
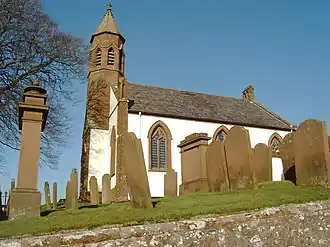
(25, 199)
(171, 183)
(47, 195)
(262, 163)
(135, 168)
(54, 196)
(216, 167)
(239, 158)
(74, 189)
(193, 163)
(288, 158)
(106, 191)
(94, 190)
(68, 195)
(312, 154)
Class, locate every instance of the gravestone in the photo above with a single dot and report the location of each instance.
(193, 163)
(312, 154)
(106, 191)
(288, 158)
(54, 196)
(47, 195)
(171, 183)
(135, 168)
(94, 190)
(239, 158)
(25, 199)
(216, 167)
(68, 195)
(12, 184)
(74, 189)
(262, 163)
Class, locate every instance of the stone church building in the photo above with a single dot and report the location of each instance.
(160, 117)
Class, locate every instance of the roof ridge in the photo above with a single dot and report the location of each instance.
(185, 91)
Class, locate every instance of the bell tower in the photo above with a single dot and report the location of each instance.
(106, 68)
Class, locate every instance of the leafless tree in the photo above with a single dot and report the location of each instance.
(33, 48)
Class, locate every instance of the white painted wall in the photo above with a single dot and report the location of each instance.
(140, 125)
(179, 128)
(99, 155)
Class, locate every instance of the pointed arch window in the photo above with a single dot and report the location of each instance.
(98, 57)
(220, 134)
(159, 147)
(275, 142)
(111, 57)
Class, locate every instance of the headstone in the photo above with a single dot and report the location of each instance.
(25, 199)
(239, 158)
(193, 163)
(287, 154)
(54, 196)
(47, 195)
(171, 183)
(74, 189)
(312, 154)
(106, 191)
(94, 190)
(262, 163)
(216, 167)
(68, 195)
(135, 168)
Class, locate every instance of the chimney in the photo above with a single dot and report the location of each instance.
(248, 93)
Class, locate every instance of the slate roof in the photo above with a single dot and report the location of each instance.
(204, 107)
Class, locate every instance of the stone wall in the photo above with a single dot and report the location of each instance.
(288, 225)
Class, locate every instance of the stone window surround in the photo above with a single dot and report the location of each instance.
(218, 130)
(270, 142)
(168, 137)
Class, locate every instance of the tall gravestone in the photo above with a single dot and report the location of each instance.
(106, 191)
(262, 163)
(239, 158)
(193, 163)
(216, 167)
(94, 190)
(74, 189)
(68, 195)
(171, 183)
(287, 154)
(135, 168)
(312, 154)
(25, 199)
(47, 195)
(54, 196)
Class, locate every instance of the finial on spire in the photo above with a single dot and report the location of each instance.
(109, 8)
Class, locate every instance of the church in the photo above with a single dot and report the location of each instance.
(160, 117)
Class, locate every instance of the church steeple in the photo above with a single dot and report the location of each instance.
(108, 24)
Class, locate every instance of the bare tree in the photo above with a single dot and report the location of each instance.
(32, 47)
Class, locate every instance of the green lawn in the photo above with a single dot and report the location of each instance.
(269, 194)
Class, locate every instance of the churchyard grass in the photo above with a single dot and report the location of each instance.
(175, 208)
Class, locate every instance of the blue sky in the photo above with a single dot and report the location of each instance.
(280, 47)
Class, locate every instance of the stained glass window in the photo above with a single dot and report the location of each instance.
(158, 149)
(275, 144)
(221, 136)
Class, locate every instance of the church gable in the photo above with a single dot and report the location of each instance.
(203, 107)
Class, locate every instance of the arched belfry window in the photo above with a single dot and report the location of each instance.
(98, 57)
(220, 134)
(159, 147)
(275, 142)
(111, 56)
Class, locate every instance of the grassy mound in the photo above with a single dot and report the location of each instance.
(176, 208)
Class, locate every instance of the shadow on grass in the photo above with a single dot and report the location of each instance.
(89, 206)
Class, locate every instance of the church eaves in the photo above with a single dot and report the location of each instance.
(108, 24)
